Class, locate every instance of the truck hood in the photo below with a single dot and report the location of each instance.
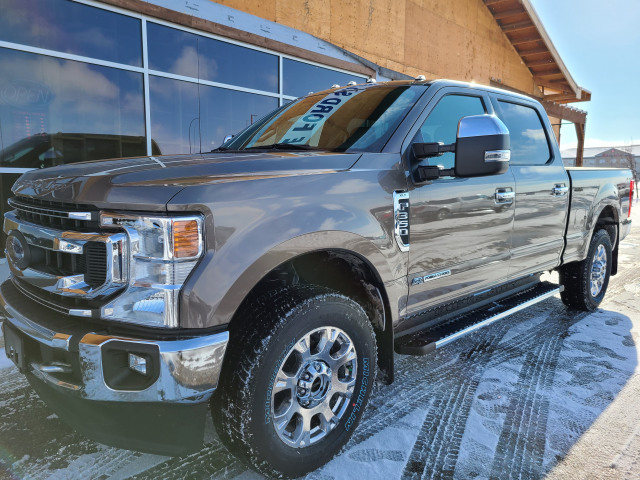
(148, 183)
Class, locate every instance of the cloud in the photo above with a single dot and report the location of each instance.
(535, 134)
(350, 187)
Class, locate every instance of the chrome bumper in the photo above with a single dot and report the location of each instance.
(188, 369)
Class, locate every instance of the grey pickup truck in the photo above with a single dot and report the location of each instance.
(270, 281)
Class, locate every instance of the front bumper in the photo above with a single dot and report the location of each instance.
(84, 375)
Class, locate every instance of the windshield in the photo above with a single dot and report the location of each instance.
(357, 118)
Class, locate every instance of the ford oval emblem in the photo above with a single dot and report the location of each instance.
(17, 250)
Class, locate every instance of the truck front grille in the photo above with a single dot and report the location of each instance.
(72, 265)
(59, 215)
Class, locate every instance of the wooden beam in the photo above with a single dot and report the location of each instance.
(580, 130)
(517, 27)
(546, 75)
(527, 39)
(489, 3)
(559, 97)
(542, 70)
(509, 13)
(533, 51)
(539, 63)
(561, 88)
(564, 113)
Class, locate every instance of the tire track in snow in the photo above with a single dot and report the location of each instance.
(435, 452)
(391, 403)
(521, 446)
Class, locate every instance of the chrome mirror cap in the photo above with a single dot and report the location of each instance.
(480, 126)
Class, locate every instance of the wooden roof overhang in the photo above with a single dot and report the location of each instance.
(520, 23)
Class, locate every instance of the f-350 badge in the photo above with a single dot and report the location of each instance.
(401, 219)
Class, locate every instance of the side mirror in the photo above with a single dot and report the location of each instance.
(482, 146)
(227, 138)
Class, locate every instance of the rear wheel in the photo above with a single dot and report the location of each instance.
(296, 381)
(585, 283)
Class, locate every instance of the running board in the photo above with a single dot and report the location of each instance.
(425, 341)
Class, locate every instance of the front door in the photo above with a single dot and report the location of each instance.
(460, 230)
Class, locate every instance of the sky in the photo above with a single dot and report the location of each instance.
(599, 42)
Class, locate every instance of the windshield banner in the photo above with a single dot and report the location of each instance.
(307, 125)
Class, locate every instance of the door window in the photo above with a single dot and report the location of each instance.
(442, 124)
(529, 145)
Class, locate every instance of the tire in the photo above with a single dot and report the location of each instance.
(585, 283)
(285, 339)
(442, 214)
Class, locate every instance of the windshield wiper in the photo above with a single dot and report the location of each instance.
(284, 146)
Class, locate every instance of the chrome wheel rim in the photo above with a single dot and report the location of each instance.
(598, 271)
(313, 386)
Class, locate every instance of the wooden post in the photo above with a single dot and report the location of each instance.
(580, 129)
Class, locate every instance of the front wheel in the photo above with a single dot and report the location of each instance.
(297, 381)
(585, 283)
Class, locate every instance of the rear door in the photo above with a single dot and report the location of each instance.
(541, 186)
(460, 233)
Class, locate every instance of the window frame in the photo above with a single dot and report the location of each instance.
(497, 99)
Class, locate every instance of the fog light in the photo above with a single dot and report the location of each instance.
(138, 364)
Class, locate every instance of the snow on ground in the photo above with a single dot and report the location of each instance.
(546, 393)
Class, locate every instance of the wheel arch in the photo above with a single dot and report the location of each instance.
(347, 272)
(609, 220)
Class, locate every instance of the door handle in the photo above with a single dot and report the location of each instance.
(504, 195)
(560, 189)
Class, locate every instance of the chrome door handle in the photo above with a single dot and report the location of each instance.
(560, 189)
(504, 195)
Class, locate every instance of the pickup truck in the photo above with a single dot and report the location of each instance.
(271, 281)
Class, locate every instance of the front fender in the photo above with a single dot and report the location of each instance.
(253, 227)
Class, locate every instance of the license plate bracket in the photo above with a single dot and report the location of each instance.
(14, 347)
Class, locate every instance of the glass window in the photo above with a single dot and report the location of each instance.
(301, 78)
(528, 140)
(72, 27)
(55, 111)
(172, 50)
(174, 115)
(442, 124)
(234, 65)
(226, 112)
(358, 118)
(183, 53)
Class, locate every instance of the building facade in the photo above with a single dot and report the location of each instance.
(85, 79)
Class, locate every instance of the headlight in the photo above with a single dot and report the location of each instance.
(162, 253)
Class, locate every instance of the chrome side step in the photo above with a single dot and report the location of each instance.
(425, 341)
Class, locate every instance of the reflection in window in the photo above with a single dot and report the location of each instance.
(301, 78)
(354, 118)
(225, 112)
(529, 144)
(56, 111)
(183, 53)
(174, 115)
(442, 124)
(172, 50)
(234, 65)
(71, 27)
